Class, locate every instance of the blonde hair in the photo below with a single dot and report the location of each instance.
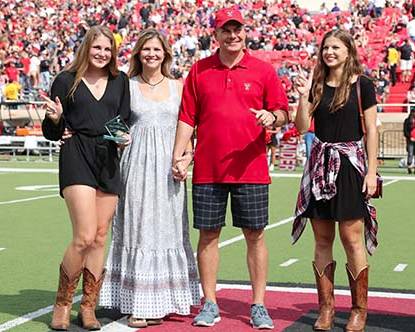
(321, 71)
(81, 62)
(136, 67)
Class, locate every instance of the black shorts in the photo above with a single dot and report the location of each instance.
(249, 205)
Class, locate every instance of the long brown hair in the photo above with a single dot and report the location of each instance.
(136, 67)
(321, 72)
(81, 62)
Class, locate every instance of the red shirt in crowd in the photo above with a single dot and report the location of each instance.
(12, 73)
(216, 99)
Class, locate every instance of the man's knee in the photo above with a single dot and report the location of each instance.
(208, 237)
(254, 236)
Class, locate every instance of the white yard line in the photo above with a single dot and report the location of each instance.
(314, 291)
(120, 325)
(28, 199)
(30, 316)
(390, 182)
(291, 261)
(241, 237)
(28, 170)
(400, 267)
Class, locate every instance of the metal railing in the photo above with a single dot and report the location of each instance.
(392, 144)
(27, 146)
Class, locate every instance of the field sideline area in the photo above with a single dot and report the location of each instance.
(35, 229)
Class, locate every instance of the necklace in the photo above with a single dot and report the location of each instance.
(152, 86)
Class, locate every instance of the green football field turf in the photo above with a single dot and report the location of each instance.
(35, 229)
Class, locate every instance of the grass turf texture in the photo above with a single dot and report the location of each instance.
(35, 234)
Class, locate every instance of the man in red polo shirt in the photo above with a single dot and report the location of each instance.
(230, 97)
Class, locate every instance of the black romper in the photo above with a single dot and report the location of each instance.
(342, 126)
(86, 158)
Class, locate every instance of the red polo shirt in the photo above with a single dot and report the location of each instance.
(216, 99)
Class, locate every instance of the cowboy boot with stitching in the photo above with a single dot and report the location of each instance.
(90, 290)
(358, 289)
(325, 290)
(62, 308)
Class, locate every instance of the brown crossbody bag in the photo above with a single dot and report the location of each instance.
(379, 180)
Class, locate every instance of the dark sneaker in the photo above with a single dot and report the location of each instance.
(208, 315)
(260, 318)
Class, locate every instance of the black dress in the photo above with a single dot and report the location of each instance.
(342, 126)
(86, 158)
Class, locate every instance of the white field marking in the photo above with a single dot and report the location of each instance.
(241, 237)
(386, 177)
(42, 187)
(29, 170)
(1, 249)
(28, 199)
(291, 261)
(25, 318)
(400, 267)
(386, 295)
(119, 326)
(189, 174)
(390, 182)
(30, 316)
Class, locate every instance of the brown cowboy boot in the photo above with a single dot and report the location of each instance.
(90, 290)
(325, 290)
(358, 289)
(62, 308)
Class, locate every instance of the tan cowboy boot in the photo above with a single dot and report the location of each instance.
(90, 290)
(62, 308)
(358, 289)
(325, 290)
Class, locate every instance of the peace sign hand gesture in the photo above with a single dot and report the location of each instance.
(54, 109)
(302, 83)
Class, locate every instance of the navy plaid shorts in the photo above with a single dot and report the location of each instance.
(249, 205)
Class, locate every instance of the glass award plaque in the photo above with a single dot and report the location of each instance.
(116, 129)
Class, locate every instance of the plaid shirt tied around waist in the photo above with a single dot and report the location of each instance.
(321, 182)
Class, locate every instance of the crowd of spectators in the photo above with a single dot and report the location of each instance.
(38, 38)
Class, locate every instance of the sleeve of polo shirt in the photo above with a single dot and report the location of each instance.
(189, 104)
(275, 97)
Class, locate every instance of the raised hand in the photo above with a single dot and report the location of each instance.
(264, 118)
(302, 83)
(54, 109)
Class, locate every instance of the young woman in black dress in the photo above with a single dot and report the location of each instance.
(338, 178)
(87, 94)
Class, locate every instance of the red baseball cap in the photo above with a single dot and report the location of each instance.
(225, 15)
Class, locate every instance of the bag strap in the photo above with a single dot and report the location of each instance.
(359, 102)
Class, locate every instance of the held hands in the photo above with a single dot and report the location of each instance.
(302, 83)
(180, 166)
(54, 109)
(264, 118)
(369, 185)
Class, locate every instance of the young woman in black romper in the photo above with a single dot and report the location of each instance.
(338, 179)
(87, 94)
